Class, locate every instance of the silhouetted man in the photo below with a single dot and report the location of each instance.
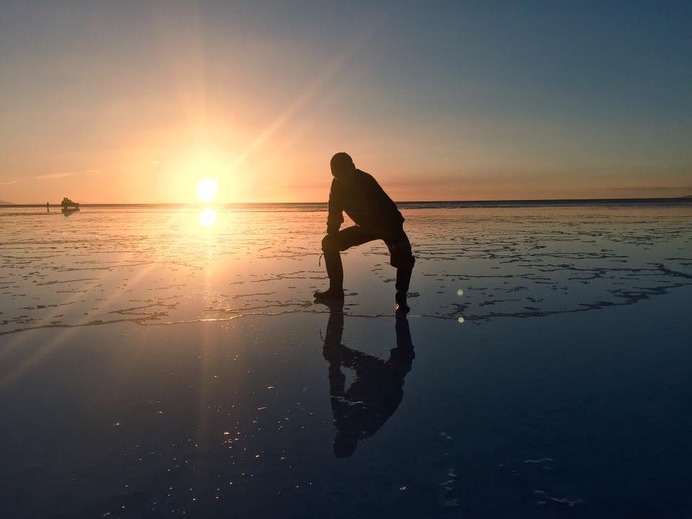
(375, 393)
(376, 217)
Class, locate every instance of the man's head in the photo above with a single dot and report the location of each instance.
(342, 167)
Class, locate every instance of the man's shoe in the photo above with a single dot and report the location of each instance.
(330, 294)
(336, 306)
(401, 307)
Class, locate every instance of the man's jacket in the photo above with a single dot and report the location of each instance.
(364, 201)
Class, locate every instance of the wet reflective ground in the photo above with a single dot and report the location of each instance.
(155, 363)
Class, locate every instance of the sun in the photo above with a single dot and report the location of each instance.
(207, 189)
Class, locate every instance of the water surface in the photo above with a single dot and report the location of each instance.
(156, 365)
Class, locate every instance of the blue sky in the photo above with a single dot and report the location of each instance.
(135, 101)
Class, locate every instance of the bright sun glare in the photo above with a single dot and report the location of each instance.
(207, 189)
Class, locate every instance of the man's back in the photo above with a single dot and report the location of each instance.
(364, 201)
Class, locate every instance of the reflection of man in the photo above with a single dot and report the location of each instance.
(376, 217)
(377, 389)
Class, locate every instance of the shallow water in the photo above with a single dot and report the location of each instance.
(162, 266)
(151, 366)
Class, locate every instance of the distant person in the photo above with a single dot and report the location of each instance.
(376, 391)
(376, 217)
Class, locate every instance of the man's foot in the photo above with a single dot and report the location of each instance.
(332, 294)
(336, 306)
(401, 307)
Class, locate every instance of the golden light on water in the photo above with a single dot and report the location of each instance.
(207, 189)
(207, 218)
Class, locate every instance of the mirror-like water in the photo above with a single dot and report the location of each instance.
(159, 362)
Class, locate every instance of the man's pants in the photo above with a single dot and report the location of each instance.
(394, 237)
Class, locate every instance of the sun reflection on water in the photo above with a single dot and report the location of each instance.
(207, 218)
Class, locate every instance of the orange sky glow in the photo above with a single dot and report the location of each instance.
(139, 103)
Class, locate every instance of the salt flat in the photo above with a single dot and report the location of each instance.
(151, 366)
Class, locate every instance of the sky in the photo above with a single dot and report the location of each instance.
(137, 101)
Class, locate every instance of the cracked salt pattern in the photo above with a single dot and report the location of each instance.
(159, 266)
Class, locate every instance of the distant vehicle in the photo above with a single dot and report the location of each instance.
(69, 204)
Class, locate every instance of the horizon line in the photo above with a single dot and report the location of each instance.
(416, 202)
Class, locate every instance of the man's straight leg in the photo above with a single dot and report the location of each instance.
(401, 257)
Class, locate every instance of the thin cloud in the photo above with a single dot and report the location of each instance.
(50, 176)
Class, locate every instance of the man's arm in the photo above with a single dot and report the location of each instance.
(335, 217)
